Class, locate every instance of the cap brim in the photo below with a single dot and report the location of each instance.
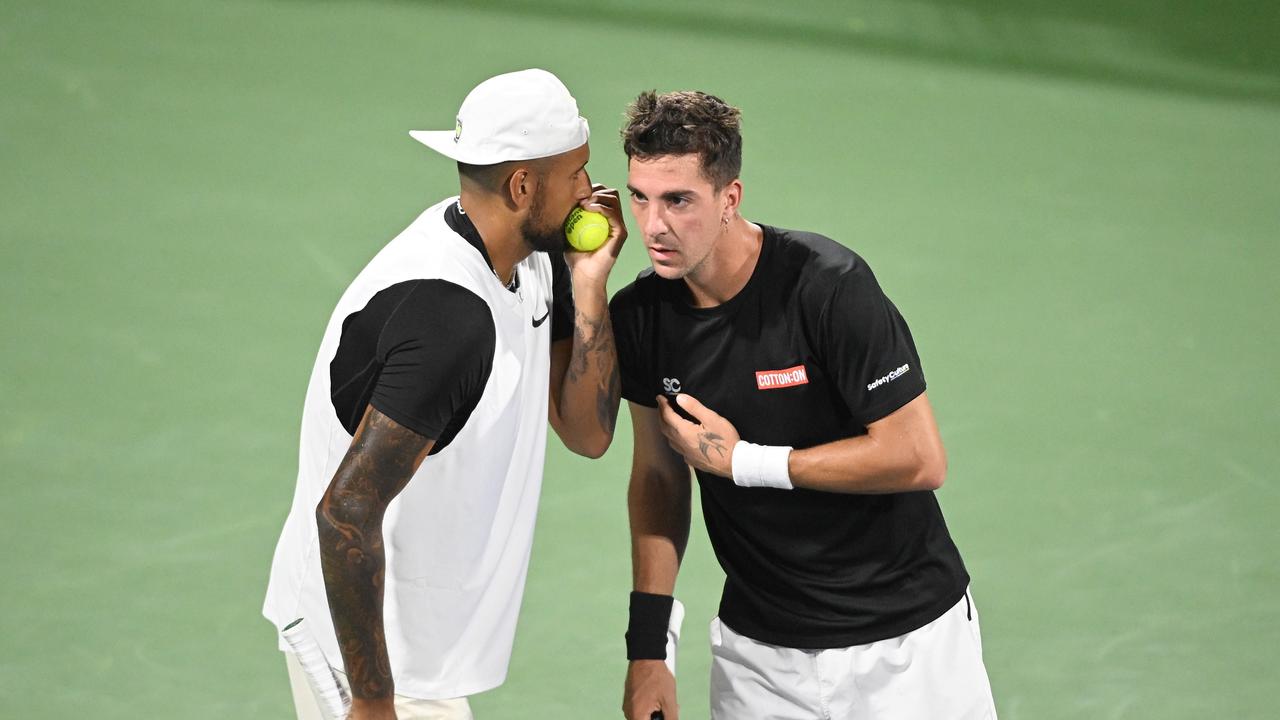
(442, 141)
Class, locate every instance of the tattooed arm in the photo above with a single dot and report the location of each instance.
(382, 458)
(901, 452)
(584, 368)
(584, 383)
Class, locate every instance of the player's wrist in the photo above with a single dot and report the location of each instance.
(755, 465)
(589, 288)
(380, 708)
(653, 628)
(647, 621)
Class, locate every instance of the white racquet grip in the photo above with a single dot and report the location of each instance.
(761, 465)
(330, 695)
(673, 633)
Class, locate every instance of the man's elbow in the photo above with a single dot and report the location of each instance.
(338, 510)
(931, 472)
(329, 515)
(593, 447)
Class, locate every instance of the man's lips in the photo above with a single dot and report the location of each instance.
(661, 252)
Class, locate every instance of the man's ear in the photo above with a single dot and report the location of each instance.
(520, 187)
(732, 194)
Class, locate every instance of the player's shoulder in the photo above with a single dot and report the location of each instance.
(819, 262)
(418, 307)
(646, 289)
(436, 296)
(813, 253)
(431, 236)
(428, 248)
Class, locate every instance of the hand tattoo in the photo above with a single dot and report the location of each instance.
(709, 441)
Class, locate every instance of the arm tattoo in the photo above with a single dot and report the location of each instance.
(607, 398)
(382, 458)
(597, 349)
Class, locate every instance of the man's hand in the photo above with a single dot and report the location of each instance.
(650, 688)
(706, 444)
(585, 385)
(595, 265)
(380, 709)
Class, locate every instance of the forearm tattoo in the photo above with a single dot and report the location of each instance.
(594, 348)
(382, 458)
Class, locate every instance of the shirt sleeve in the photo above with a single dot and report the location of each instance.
(868, 348)
(420, 352)
(562, 307)
(628, 328)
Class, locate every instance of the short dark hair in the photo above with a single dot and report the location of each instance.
(685, 122)
(487, 177)
(491, 178)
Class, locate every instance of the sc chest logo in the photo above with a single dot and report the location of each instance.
(671, 386)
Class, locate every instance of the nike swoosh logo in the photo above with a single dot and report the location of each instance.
(539, 321)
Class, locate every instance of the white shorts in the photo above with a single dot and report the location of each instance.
(933, 673)
(407, 708)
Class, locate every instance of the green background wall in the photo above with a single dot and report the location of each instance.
(1077, 208)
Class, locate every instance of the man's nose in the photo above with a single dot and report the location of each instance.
(654, 224)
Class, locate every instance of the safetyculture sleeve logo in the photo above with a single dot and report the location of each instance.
(776, 379)
(894, 375)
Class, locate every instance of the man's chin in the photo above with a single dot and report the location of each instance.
(547, 243)
(668, 272)
(549, 239)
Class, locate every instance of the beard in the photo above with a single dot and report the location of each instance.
(539, 234)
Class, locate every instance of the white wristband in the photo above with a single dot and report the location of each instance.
(761, 465)
(673, 634)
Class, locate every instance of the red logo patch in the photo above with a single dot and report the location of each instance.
(774, 379)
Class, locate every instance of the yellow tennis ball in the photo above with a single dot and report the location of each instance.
(586, 230)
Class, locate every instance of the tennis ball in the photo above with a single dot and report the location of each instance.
(586, 230)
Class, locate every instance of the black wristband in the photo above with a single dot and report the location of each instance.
(647, 626)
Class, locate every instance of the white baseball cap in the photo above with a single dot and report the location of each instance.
(517, 116)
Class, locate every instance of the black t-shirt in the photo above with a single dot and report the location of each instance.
(421, 350)
(809, 352)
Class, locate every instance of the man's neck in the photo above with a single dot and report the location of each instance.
(727, 269)
(501, 238)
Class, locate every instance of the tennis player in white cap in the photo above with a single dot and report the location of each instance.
(424, 427)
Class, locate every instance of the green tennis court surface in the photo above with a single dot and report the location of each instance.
(1077, 209)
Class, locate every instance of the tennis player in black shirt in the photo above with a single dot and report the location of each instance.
(771, 362)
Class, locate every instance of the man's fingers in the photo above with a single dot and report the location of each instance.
(601, 190)
(603, 198)
(681, 409)
(690, 404)
(665, 413)
(655, 708)
(606, 201)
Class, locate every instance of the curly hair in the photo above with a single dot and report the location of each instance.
(684, 122)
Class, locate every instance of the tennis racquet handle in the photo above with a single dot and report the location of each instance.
(332, 698)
